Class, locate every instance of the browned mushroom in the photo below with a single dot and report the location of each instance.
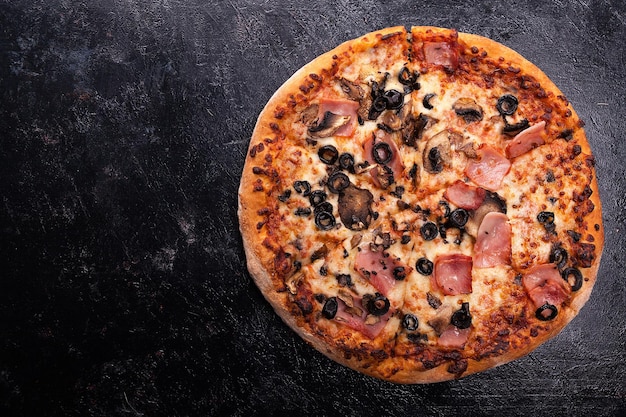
(329, 124)
(468, 109)
(355, 207)
(492, 202)
(437, 153)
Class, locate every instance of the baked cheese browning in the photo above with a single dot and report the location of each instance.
(423, 201)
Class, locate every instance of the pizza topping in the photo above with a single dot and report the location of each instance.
(329, 125)
(317, 197)
(437, 153)
(558, 256)
(414, 128)
(468, 109)
(507, 104)
(325, 220)
(424, 266)
(358, 318)
(410, 322)
(445, 54)
(546, 218)
(546, 312)
(514, 129)
(302, 187)
(378, 267)
(328, 154)
(429, 230)
(338, 182)
(544, 284)
(462, 319)
(573, 277)
(526, 140)
(381, 152)
(453, 274)
(489, 169)
(330, 308)
(409, 79)
(465, 196)
(376, 304)
(453, 337)
(493, 243)
(346, 161)
(354, 206)
(335, 118)
(492, 203)
(426, 101)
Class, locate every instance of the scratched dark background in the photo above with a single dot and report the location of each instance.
(123, 288)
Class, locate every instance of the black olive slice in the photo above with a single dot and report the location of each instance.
(381, 152)
(410, 322)
(302, 187)
(426, 101)
(399, 273)
(317, 197)
(324, 220)
(328, 154)
(462, 319)
(406, 77)
(578, 278)
(346, 161)
(558, 256)
(459, 217)
(514, 129)
(507, 104)
(344, 280)
(329, 310)
(377, 305)
(434, 157)
(429, 230)
(337, 182)
(324, 206)
(424, 266)
(395, 99)
(545, 217)
(552, 313)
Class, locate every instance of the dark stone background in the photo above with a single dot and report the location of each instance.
(123, 288)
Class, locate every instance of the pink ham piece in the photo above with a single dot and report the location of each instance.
(395, 163)
(341, 108)
(493, 241)
(489, 169)
(453, 337)
(453, 274)
(357, 322)
(378, 268)
(465, 196)
(526, 140)
(543, 284)
(442, 53)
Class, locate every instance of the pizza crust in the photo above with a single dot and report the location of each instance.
(260, 258)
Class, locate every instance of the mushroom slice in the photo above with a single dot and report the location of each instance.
(352, 90)
(329, 124)
(492, 202)
(355, 207)
(437, 153)
(468, 109)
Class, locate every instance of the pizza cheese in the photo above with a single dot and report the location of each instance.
(421, 205)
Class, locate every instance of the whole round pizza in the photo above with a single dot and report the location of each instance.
(421, 205)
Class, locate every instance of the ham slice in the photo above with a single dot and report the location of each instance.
(355, 318)
(378, 268)
(544, 284)
(526, 140)
(465, 196)
(442, 53)
(453, 274)
(489, 169)
(453, 337)
(341, 108)
(493, 241)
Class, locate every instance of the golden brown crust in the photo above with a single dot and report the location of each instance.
(264, 251)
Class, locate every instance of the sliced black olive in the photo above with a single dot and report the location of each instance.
(558, 256)
(379, 104)
(514, 129)
(462, 319)
(324, 220)
(410, 322)
(302, 187)
(324, 206)
(429, 230)
(285, 195)
(344, 280)
(303, 211)
(346, 161)
(399, 273)
(424, 266)
(395, 99)
(507, 104)
(328, 154)
(551, 314)
(426, 101)
(578, 278)
(434, 157)
(329, 310)
(381, 152)
(377, 305)
(446, 208)
(545, 217)
(459, 217)
(317, 197)
(438, 152)
(406, 77)
(337, 182)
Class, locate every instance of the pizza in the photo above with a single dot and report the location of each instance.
(420, 205)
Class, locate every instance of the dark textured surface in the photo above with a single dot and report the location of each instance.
(123, 288)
